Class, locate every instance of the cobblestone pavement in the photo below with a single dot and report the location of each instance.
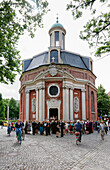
(51, 153)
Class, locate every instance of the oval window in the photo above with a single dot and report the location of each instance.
(53, 90)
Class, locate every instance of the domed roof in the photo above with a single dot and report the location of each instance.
(57, 25)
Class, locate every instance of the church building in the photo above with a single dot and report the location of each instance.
(58, 83)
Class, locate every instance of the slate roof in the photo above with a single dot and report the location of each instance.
(68, 58)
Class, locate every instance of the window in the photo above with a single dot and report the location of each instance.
(57, 38)
(53, 90)
(92, 101)
(63, 43)
(50, 40)
(91, 65)
(54, 56)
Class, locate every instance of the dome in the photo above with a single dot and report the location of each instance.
(57, 25)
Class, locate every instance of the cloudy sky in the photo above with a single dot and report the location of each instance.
(29, 47)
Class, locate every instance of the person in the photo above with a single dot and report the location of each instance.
(78, 128)
(57, 129)
(90, 127)
(26, 126)
(98, 126)
(53, 127)
(62, 127)
(41, 128)
(66, 127)
(71, 128)
(102, 130)
(18, 126)
(87, 127)
(48, 128)
(106, 128)
(33, 127)
(9, 128)
(2, 125)
(37, 127)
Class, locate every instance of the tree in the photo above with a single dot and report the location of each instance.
(16, 16)
(97, 30)
(103, 102)
(2, 108)
(13, 109)
(6, 104)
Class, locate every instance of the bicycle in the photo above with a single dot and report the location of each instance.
(19, 136)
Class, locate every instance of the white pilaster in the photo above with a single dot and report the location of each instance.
(71, 104)
(27, 105)
(83, 104)
(40, 105)
(37, 104)
(43, 103)
(65, 104)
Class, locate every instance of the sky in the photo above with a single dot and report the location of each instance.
(29, 47)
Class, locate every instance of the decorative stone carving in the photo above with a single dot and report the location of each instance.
(34, 105)
(53, 103)
(52, 70)
(76, 104)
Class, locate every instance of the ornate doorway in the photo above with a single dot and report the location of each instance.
(53, 113)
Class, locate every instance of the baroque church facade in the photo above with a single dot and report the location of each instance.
(58, 83)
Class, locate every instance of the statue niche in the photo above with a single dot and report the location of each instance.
(34, 105)
(76, 104)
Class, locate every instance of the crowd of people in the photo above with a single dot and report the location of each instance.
(61, 128)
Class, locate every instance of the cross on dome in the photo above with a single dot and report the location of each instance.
(57, 18)
(53, 58)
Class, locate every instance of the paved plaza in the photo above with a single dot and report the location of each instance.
(51, 153)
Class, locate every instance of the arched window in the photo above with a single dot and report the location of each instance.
(91, 65)
(50, 40)
(92, 101)
(63, 39)
(56, 38)
(54, 56)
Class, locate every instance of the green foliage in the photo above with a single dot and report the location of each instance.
(2, 108)
(16, 16)
(13, 109)
(97, 30)
(6, 104)
(103, 102)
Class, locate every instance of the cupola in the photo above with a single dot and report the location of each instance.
(57, 35)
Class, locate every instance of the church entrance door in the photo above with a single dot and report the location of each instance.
(53, 113)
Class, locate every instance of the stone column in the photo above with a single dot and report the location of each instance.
(43, 103)
(71, 104)
(37, 104)
(83, 104)
(27, 105)
(65, 104)
(40, 105)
